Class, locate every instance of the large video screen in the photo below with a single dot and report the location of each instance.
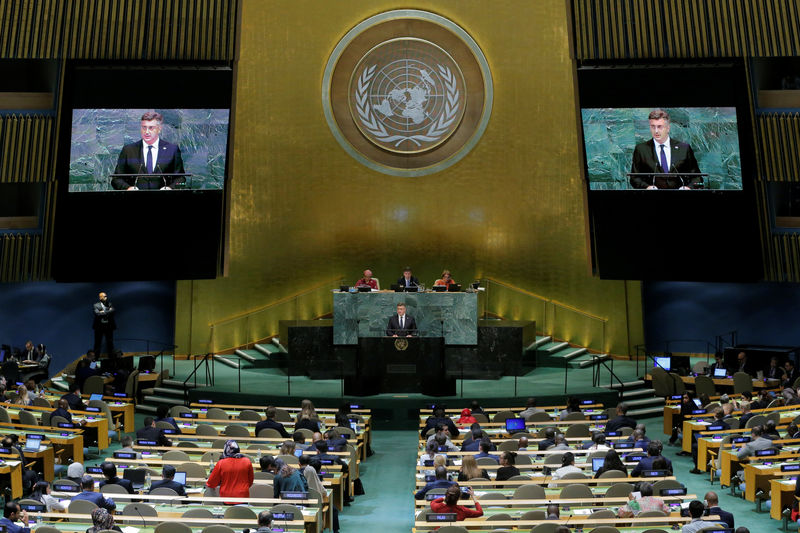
(109, 149)
(624, 148)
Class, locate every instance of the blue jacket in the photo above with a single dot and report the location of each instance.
(11, 527)
(647, 464)
(725, 516)
(438, 484)
(96, 498)
(489, 455)
(169, 484)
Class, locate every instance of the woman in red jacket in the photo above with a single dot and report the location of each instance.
(233, 474)
(449, 504)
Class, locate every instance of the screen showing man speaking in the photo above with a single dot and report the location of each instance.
(148, 149)
(687, 148)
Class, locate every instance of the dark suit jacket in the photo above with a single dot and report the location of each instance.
(126, 484)
(682, 160)
(409, 328)
(725, 516)
(130, 162)
(33, 356)
(170, 484)
(271, 424)
(153, 433)
(647, 464)
(104, 318)
(402, 281)
(616, 423)
(74, 401)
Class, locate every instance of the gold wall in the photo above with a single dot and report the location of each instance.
(303, 212)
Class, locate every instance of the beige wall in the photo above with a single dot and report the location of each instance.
(303, 212)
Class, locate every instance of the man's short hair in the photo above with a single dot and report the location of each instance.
(266, 462)
(653, 449)
(440, 440)
(321, 446)
(549, 433)
(298, 436)
(265, 518)
(646, 489)
(152, 115)
(486, 445)
(304, 460)
(441, 472)
(696, 509)
(757, 431)
(168, 472)
(711, 497)
(162, 411)
(657, 114)
(440, 427)
(271, 412)
(406, 269)
(126, 441)
(148, 421)
(87, 482)
(401, 304)
(109, 470)
(623, 408)
(10, 508)
(530, 402)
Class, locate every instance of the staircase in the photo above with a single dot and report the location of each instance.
(641, 399)
(558, 353)
(170, 392)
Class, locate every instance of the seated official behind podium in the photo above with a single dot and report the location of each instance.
(407, 279)
(401, 325)
(367, 280)
(664, 159)
(445, 280)
(151, 155)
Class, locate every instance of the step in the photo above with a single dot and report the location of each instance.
(225, 361)
(267, 349)
(162, 399)
(568, 354)
(277, 342)
(626, 385)
(542, 340)
(176, 383)
(646, 412)
(637, 393)
(146, 408)
(592, 360)
(248, 355)
(646, 402)
(169, 391)
(553, 347)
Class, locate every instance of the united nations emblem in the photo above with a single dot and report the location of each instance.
(400, 344)
(407, 95)
(407, 92)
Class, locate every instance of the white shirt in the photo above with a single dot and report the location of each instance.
(155, 153)
(667, 152)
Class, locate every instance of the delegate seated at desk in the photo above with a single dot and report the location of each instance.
(445, 280)
(401, 324)
(408, 279)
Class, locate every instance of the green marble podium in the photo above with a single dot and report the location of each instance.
(451, 315)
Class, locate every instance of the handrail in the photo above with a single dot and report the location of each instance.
(209, 375)
(548, 300)
(283, 300)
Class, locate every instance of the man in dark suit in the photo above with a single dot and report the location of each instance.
(88, 493)
(104, 324)
(73, 398)
(407, 279)
(30, 353)
(168, 481)
(270, 423)
(622, 420)
(653, 454)
(712, 508)
(790, 373)
(152, 433)
(719, 362)
(668, 159)
(401, 324)
(110, 474)
(742, 364)
(151, 157)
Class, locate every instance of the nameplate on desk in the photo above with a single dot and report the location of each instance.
(634, 457)
(765, 453)
(655, 473)
(739, 440)
(325, 475)
(432, 496)
(32, 507)
(355, 406)
(587, 402)
(188, 415)
(92, 409)
(440, 517)
(94, 469)
(64, 434)
(65, 488)
(613, 433)
(287, 517)
(66, 425)
(326, 461)
(293, 495)
(698, 411)
(623, 445)
(124, 455)
(120, 395)
(674, 492)
(170, 431)
(676, 397)
(790, 468)
(598, 417)
(426, 462)
(8, 450)
(205, 401)
(715, 428)
(142, 442)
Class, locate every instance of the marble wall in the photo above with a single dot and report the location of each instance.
(452, 315)
(610, 136)
(98, 135)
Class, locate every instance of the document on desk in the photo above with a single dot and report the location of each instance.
(130, 529)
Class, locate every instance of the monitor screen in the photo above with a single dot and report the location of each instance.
(110, 149)
(515, 425)
(663, 362)
(180, 477)
(624, 148)
(95, 397)
(597, 463)
(720, 373)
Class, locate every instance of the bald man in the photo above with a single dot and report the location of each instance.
(104, 324)
(367, 280)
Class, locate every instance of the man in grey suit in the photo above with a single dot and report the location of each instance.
(757, 442)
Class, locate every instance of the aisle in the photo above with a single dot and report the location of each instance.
(389, 483)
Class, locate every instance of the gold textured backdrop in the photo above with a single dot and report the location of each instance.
(303, 212)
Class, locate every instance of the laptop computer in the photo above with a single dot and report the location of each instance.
(514, 425)
(136, 476)
(33, 443)
(95, 397)
(454, 287)
(597, 463)
(439, 288)
(663, 362)
(180, 477)
(720, 373)
(365, 288)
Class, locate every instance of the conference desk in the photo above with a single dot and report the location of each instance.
(690, 426)
(91, 420)
(452, 316)
(11, 476)
(79, 523)
(122, 407)
(782, 496)
(641, 524)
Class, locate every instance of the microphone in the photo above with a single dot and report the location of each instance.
(136, 508)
